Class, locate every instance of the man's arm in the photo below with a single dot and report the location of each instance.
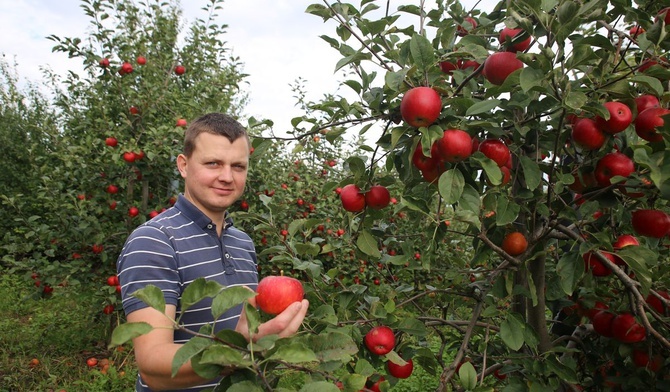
(155, 351)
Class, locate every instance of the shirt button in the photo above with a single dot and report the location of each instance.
(209, 226)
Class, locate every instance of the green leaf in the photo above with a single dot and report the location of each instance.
(224, 356)
(331, 346)
(653, 84)
(470, 199)
(128, 331)
(367, 243)
(450, 185)
(253, 318)
(638, 258)
(294, 352)
(511, 332)
(531, 172)
(229, 298)
(563, 372)
(245, 386)
(353, 382)
(152, 296)
(198, 290)
(529, 78)
(188, 350)
(506, 211)
(468, 376)
(570, 268)
(412, 327)
(575, 100)
(483, 107)
(422, 52)
(320, 386)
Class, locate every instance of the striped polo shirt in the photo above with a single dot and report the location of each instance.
(177, 247)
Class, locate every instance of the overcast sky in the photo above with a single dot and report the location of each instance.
(275, 39)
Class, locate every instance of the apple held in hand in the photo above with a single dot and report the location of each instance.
(420, 106)
(380, 340)
(276, 293)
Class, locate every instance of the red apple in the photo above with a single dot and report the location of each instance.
(352, 199)
(646, 101)
(104, 63)
(500, 65)
(642, 359)
(179, 70)
(496, 150)
(181, 123)
(620, 118)
(465, 64)
(126, 68)
(422, 162)
(420, 106)
(469, 23)
(376, 387)
(520, 46)
(112, 189)
(133, 212)
(587, 134)
(613, 164)
(134, 110)
(455, 145)
(650, 223)
(635, 31)
(276, 293)
(648, 121)
(380, 340)
(108, 309)
(141, 60)
(665, 15)
(595, 266)
(129, 156)
(602, 323)
(377, 197)
(400, 371)
(97, 248)
(111, 142)
(626, 329)
(113, 281)
(656, 303)
(447, 67)
(621, 242)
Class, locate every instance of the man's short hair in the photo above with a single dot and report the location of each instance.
(214, 123)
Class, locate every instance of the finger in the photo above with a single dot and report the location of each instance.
(296, 321)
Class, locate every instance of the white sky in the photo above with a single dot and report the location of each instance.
(275, 39)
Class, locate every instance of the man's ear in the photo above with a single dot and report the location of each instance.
(182, 164)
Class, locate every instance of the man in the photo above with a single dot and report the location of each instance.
(195, 239)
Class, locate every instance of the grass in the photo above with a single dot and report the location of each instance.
(46, 341)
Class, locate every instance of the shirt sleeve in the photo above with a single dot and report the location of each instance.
(148, 258)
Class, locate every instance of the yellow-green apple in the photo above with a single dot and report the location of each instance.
(420, 106)
(276, 293)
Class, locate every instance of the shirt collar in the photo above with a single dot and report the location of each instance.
(198, 217)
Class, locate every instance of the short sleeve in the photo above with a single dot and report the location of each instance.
(148, 258)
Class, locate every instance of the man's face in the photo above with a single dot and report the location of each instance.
(215, 174)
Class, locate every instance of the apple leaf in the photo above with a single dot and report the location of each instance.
(365, 368)
(198, 290)
(529, 78)
(356, 166)
(322, 386)
(188, 350)
(396, 80)
(651, 83)
(229, 298)
(128, 331)
(483, 107)
(353, 382)
(245, 386)
(506, 211)
(412, 327)
(470, 199)
(398, 259)
(575, 100)
(468, 376)
(367, 243)
(451, 184)
(331, 346)
(563, 371)
(511, 332)
(224, 356)
(395, 358)
(422, 52)
(570, 268)
(531, 172)
(294, 352)
(152, 296)
(638, 259)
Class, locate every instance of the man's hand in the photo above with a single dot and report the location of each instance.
(284, 324)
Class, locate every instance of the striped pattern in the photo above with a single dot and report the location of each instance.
(177, 247)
